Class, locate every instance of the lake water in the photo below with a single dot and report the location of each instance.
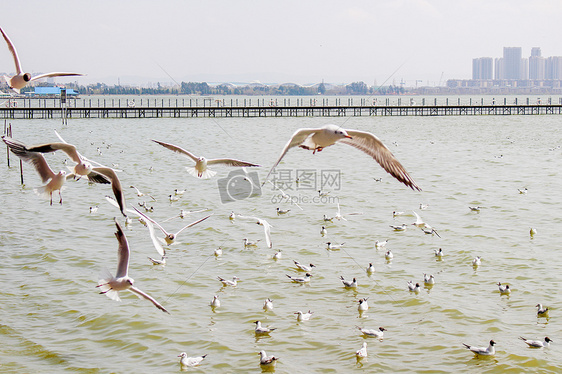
(52, 318)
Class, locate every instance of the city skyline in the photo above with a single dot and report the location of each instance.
(418, 42)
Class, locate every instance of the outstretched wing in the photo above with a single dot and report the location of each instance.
(147, 297)
(67, 148)
(193, 224)
(54, 74)
(231, 162)
(13, 50)
(33, 158)
(298, 137)
(115, 186)
(375, 148)
(177, 149)
(122, 252)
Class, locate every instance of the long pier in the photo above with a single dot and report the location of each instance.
(276, 111)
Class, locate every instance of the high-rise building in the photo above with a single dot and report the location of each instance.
(482, 68)
(512, 63)
(498, 69)
(537, 65)
(554, 67)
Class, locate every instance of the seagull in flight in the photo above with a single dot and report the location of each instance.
(170, 238)
(21, 79)
(200, 169)
(262, 222)
(339, 216)
(318, 139)
(111, 285)
(55, 181)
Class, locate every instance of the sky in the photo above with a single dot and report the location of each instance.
(379, 42)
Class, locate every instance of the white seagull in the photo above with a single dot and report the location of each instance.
(262, 222)
(303, 316)
(363, 305)
(111, 285)
(339, 216)
(55, 181)
(262, 329)
(402, 227)
(186, 362)
(370, 269)
(349, 283)
(277, 255)
(477, 261)
(537, 343)
(215, 303)
(388, 255)
(170, 238)
(301, 280)
(282, 211)
(378, 333)
(267, 361)
(504, 290)
(439, 253)
(541, 311)
(428, 280)
(381, 244)
(413, 287)
(303, 267)
(155, 261)
(482, 351)
(363, 351)
(334, 247)
(318, 139)
(21, 79)
(248, 243)
(323, 231)
(200, 169)
(226, 282)
(268, 305)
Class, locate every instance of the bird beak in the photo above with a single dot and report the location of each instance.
(349, 137)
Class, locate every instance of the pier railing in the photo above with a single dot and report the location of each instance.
(188, 108)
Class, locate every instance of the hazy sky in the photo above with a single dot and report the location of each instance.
(283, 41)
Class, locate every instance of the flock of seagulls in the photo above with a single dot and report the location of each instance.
(313, 139)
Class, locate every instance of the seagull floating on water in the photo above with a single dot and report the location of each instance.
(301, 280)
(333, 246)
(262, 222)
(323, 231)
(428, 279)
(267, 361)
(439, 253)
(363, 305)
(349, 283)
(111, 285)
(320, 138)
(413, 287)
(186, 362)
(303, 316)
(159, 262)
(378, 333)
(537, 343)
(21, 79)
(399, 228)
(226, 282)
(282, 211)
(261, 329)
(215, 303)
(541, 311)
(370, 269)
(388, 255)
(363, 351)
(268, 305)
(381, 244)
(482, 351)
(504, 290)
(304, 267)
(277, 255)
(477, 261)
(200, 169)
(248, 243)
